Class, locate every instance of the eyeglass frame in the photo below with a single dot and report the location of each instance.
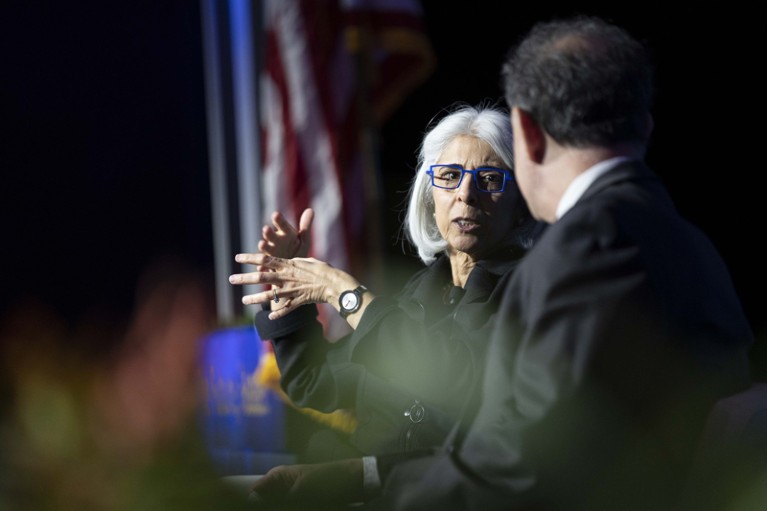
(507, 176)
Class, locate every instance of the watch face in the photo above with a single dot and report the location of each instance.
(349, 300)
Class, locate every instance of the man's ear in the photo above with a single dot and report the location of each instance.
(532, 135)
(649, 125)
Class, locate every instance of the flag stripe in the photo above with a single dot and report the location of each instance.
(322, 91)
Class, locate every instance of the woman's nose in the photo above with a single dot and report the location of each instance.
(467, 190)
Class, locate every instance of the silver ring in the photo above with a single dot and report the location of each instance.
(276, 298)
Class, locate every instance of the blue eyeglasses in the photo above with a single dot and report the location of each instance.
(487, 179)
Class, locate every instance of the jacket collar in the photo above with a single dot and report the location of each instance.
(628, 170)
(481, 282)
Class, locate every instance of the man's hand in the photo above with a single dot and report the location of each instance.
(336, 482)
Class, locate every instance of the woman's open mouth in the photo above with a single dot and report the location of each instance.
(466, 225)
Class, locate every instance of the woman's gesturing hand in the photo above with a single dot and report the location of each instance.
(281, 239)
(294, 282)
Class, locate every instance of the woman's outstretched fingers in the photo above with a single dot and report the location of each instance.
(263, 297)
(282, 311)
(258, 259)
(246, 278)
(282, 225)
(258, 277)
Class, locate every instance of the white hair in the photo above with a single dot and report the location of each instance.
(489, 124)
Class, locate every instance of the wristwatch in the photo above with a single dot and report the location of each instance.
(351, 300)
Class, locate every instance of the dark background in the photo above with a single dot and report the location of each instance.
(104, 149)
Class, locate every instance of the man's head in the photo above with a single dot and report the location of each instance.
(584, 81)
(580, 92)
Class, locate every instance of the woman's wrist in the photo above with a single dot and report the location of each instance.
(339, 283)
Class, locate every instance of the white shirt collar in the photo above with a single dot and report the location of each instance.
(581, 183)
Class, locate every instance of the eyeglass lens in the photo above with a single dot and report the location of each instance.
(450, 177)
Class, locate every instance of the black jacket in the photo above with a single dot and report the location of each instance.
(617, 333)
(407, 369)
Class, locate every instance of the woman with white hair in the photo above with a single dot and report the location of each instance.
(411, 363)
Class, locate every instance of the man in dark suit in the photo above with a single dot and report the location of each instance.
(621, 326)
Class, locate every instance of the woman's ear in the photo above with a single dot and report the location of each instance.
(529, 135)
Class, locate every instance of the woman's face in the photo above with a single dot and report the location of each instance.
(474, 222)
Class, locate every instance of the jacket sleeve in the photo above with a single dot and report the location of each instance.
(301, 352)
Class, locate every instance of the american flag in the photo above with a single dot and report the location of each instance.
(333, 72)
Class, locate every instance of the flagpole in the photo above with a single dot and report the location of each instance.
(232, 32)
(246, 22)
(217, 160)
